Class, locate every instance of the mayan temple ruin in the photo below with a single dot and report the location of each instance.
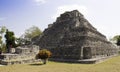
(73, 37)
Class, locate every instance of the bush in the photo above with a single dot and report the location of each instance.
(44, 55)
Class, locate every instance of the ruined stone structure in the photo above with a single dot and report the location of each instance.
(21, 55)
(73, 37)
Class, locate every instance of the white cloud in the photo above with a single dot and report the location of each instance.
(62, 9)
(40, 1)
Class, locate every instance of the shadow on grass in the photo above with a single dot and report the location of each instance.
(37, 64)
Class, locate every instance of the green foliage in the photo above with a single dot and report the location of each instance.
(116, 39)
(10, 40)
(3, 49)
(2, 31)
(0, 40)
(44, 54)
(32, 32)
(21, 41)
(18, 41)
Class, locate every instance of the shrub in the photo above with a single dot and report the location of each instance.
(44, 55)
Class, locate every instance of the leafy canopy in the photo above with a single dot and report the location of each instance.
(32, 32)
(44, 54)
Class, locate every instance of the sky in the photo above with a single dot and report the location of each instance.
(19, 15)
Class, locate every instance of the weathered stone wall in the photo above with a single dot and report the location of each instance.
(3, 62)
(24, 54)
(65, 53)
(12, 57)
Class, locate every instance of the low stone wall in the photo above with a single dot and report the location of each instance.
(4, 62)
(15, 57)
(24, 54)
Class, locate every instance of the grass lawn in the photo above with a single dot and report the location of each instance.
(110, 65)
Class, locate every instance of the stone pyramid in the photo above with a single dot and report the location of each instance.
(73, 37)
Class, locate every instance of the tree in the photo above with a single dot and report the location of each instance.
(3, 49)
(116, 39)
(31, 33)
(10, 40)
(44, 55)
(2, 31)
(21, 41)
(0, 41)
(0, 44)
